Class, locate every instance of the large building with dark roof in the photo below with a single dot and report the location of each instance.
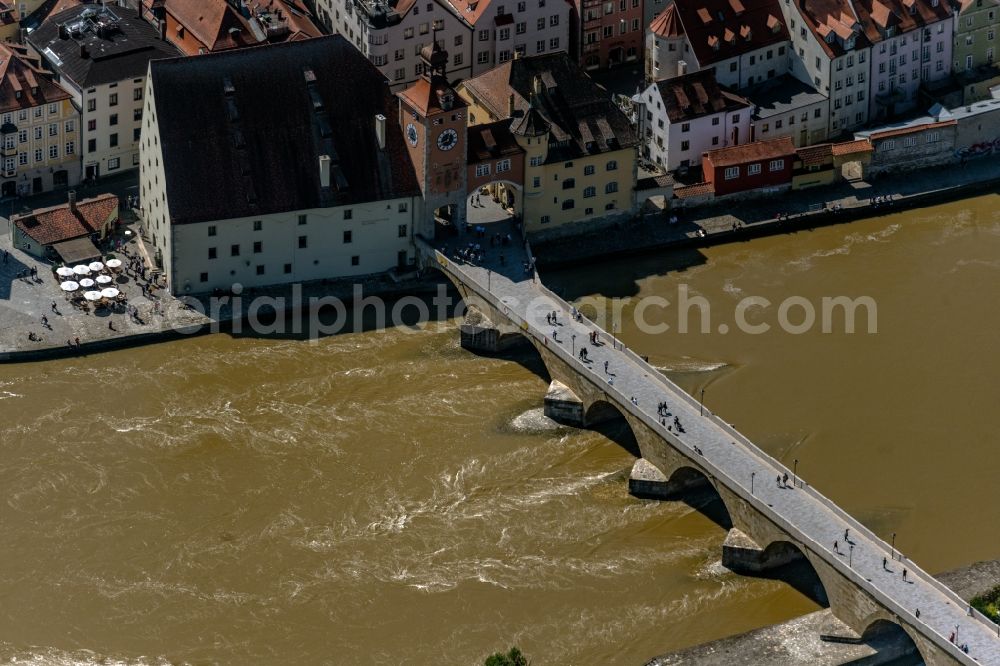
(100, 55)
(296, 169)
(580, 149)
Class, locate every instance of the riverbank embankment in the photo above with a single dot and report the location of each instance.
(785, 213)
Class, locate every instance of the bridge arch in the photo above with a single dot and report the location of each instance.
(887, 635)
(601, 411)
(804, 576)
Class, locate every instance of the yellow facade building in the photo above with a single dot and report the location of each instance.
(580, 149)
(39, 127)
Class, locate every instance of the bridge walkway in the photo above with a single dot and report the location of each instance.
(736, 462)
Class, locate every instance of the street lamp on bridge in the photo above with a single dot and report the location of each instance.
(574, 343)
(752, 475)
(892, 553)
(795, 470)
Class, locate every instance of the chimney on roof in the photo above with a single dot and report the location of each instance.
(380, 130)
(682, 68)
(537, 85)
(71, 197)
(84, 52)
(510, 105)
(162, 25)
(324, 171)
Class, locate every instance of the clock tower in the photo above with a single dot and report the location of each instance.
(433, 119)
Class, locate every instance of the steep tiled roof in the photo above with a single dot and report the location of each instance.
(434, 94)
(490, 141)
(583, 119)
(837, 16)
(751, 152)
(697, 94)
(667, 23)
(91, 56)
(61, 223)
(903, 15)
(472, 10)
(23, 83)
(265, 116)
(721, 29)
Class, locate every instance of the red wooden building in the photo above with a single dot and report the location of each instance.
(752, 166)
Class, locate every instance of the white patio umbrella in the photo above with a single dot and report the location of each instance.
(96, 266)
(114, 263)
(69, 285)
(103, 279)
(86, 283)
(110, 292)
(65, 271)
(82, 269)
(92, 295)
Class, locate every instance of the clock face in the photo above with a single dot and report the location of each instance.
(447, 139)
(411, 133)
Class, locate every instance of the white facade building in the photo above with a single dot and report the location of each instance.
(683, 117)
(833, 55)
(477, 35)
(100, 55)
(912, 45)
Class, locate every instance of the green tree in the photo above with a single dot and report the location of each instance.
(513, 657)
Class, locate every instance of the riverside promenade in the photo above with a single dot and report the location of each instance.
(863, 577)
(808, 208)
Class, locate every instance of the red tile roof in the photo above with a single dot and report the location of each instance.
(751, 152)
(837, 16)
(886, 134)
(876, 15)
(848, 147)
(23, 82)
(217, 25)
(722, 29)
(697, 189)
(60, 223)
(813, 155)
(667, 23)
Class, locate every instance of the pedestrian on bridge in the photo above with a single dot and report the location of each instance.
(885, 564)
(846, 532)
(836, 547)
(904, 573)
(777, 481)
(605, 367)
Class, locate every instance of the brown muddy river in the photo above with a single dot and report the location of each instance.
(388, 498)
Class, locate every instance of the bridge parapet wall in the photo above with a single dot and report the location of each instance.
(853, 599)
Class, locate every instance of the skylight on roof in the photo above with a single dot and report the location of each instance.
(53, 58)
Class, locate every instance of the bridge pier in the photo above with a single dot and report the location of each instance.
(742, 554)
(647, 481)
(562, 405)
(480, 338)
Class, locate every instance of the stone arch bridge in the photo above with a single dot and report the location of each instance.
(771, 525)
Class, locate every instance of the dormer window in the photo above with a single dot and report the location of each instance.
(849, 43)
